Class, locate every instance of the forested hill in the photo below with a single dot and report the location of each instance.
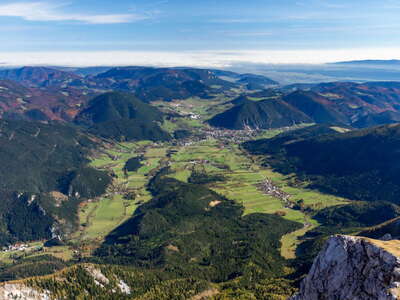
(316, 107)
(39, 168)
(122, 116)
(191, 230)
(361, 164)
(261, 114)
(43, 166)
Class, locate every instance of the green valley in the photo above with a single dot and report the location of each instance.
(152, 190)
(240, 178)
(199, 150)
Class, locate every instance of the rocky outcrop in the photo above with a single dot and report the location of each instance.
(16, 291)
(101, 280)
(354, 268)
(108, 282)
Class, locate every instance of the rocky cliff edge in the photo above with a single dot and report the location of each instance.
(354, 268)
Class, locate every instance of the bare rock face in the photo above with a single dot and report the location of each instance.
(17, 291)
(354, 268)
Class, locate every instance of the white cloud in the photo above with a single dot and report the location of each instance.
(44, 11)
(217, 59)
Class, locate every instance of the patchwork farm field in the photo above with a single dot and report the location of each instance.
(99, 217)
(241, 177)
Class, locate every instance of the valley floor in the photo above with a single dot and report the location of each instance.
(243, 180)
(214, 152)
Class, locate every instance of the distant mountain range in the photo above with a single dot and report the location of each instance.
(19, 101)
(346, 103)
(43, 94)
(167, 84)
(371, 62)
(39, 76)
(147, 82)
(359, 71)
(256, 82)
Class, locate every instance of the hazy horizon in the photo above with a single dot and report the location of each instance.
(191, 33)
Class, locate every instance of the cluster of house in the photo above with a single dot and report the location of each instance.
(235, 136)
(184, 113)
(269, 188)
(199, 161)
(15, 247)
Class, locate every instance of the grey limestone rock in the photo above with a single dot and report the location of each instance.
(354, 268)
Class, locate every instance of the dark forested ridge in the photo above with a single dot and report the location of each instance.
(361, 164)
(315, 107)
(27, 148)
(358, 214)
(38, 160)
(277, 143)
(190, 230)
(122, 116)
(274, 110)
(261, 114)
(369, 120)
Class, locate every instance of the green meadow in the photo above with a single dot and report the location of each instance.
(98, 217)
(242, 175)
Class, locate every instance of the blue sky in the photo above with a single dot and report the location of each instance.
(183, 30)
